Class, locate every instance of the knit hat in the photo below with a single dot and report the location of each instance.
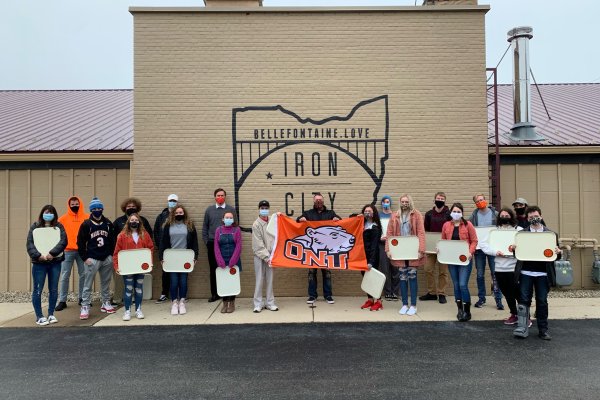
(386, 197)
(96, 203)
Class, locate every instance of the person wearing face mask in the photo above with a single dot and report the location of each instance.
(538, 275)
(371, 240)
(391, 289)
(484, 215)
(262, 246)
(213, 218)
(228, 247)
(172, 201)
(434, 220)
(408, 221)
(96, 244)
(505, 264)
(520, 205)
(71, 220)
(459, 228)
(129, 206)
(179, 232)
(48, 264)
(133, 236)
(319, 212)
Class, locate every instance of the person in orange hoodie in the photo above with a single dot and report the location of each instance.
(71, 220)
(133, 236)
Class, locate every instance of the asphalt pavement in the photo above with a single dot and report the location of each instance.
(421, 360)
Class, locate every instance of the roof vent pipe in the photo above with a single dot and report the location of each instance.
(523, 129)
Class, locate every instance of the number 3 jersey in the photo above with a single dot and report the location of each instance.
(96, 239)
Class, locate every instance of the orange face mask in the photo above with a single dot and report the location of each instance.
(481, 204)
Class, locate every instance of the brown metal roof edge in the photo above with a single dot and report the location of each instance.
(546, 149)
(446, 8)
(122, 155)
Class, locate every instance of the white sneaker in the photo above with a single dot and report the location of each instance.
(52, 319)
(403, 310)
(127, 315)
(84, 313)
(412, 310)
(174, 308)
(108, 308)
(139, 314)
(272, 308)
(42, 321)
(257, 309)
(182, 309)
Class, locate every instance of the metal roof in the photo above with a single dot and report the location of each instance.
(574, 110)
(66, 120)
(102, 120)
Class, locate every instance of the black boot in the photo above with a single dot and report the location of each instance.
(466, 312)
(460, 314)
(60, 306)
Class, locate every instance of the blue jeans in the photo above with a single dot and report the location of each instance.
(542, 287)
(39, 272)
(133, 283)
(408, 278)
(178, 287)
(65, 274)
(460, 279)
(312, 282)
(480, 257)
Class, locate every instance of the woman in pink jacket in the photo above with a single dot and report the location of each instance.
(461, 229)
(407, 221)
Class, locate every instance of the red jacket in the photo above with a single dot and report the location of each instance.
(126, 242)
(416, 229)
(466, 232)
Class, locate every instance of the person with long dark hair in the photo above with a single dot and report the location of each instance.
(461, 229)
(371, 238)
(47, 264)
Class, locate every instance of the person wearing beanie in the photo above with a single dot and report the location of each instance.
(392, 275)
(71, 220)
(262, 246)
(159, 224)
(96, 244)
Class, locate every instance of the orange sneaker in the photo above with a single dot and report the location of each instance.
(367, 304)
(377, 306)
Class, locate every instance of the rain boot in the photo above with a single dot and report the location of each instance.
(522, 329)
(467, 314)
(460, 314)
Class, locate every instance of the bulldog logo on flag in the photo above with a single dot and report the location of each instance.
(319, 244)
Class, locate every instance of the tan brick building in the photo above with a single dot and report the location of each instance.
(276, 103)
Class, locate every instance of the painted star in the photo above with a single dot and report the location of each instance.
(269, 176)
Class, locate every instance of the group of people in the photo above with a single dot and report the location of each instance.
(93, 242)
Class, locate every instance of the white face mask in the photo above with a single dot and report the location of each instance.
(456, 215)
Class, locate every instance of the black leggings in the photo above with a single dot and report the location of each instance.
(508, 287)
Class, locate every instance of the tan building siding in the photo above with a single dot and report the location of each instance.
(193, 69)
(23, 192)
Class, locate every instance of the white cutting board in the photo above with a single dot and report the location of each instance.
(501, 239)
(535, 246)
(454, 252)
(403, 247)
(431, 239)
(135, 261)
(373, 282)
(178, 260)
(45, 239)
(228, 281)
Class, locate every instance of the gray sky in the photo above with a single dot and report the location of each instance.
(88, 44)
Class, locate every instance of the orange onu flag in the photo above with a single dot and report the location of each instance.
(320, 244)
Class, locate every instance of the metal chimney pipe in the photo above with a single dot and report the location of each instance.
(523, 128)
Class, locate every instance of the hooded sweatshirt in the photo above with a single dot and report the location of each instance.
(71, 222)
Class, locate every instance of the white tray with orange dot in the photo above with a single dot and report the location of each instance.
(403, 247)
(178, 260)
(228, 281)
(453, 252)
(136, 261)
(535, 246)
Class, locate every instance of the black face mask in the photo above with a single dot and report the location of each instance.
(504, 221)
(75, 209)
(179, 217)
(130, 211)
(520, 210)
(440, 203)
(134, 225)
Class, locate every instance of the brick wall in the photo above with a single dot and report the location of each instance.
(193, 69)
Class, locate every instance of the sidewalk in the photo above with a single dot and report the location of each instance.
(291, 310)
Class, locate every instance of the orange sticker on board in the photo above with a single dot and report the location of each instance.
(462, 258)
(548, 253)
(145, 266)
(394, 242)
(187, 265)
(232, 271)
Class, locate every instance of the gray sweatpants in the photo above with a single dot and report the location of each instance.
(264, 275)
(105, 268)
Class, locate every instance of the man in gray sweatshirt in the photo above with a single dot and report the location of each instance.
(213, 217)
